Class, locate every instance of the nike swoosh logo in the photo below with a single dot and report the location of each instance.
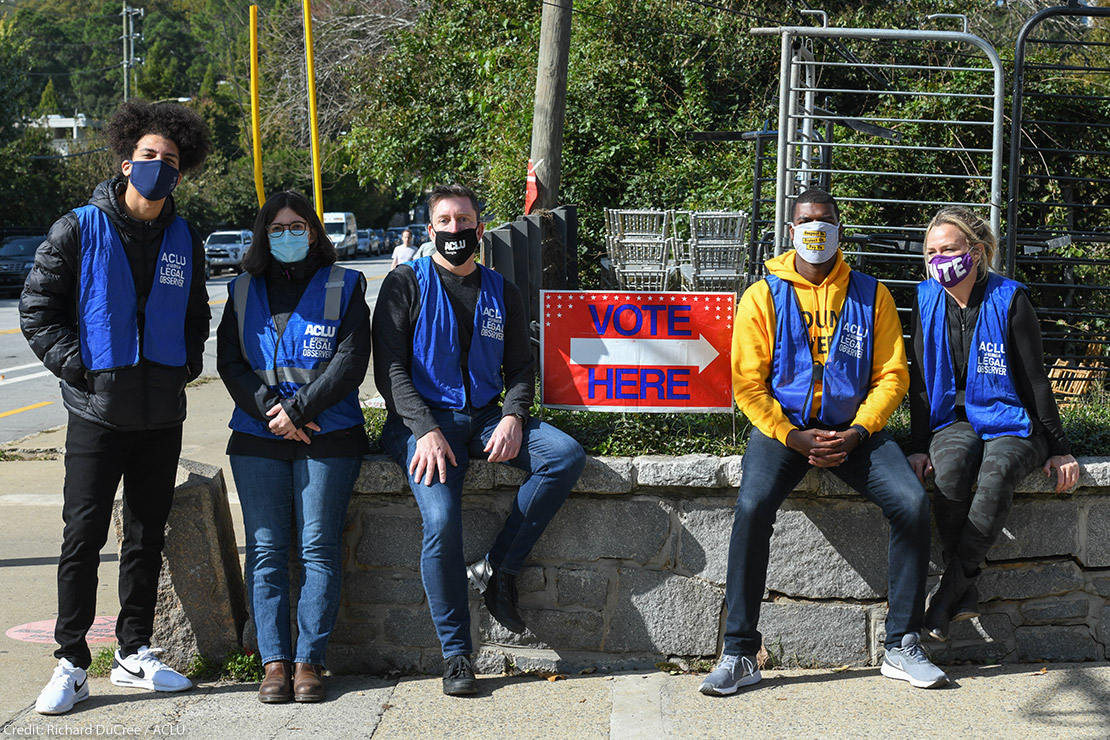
(140, 674)
(80, 686)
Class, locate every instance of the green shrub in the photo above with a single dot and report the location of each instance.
(101, 664)
(236, 666)
(242, 666)
(631, 434)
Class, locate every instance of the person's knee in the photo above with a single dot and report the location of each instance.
(753, 509)
(442, 527)
(572, 459)
(558, 455)
(911, 509)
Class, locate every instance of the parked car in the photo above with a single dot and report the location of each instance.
(17, 255)
(379, 241)
(364, 241)
(343, 231)
(226, 249)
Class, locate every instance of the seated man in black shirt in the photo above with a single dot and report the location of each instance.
(449, 336)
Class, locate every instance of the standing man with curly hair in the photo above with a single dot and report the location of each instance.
(116, 307)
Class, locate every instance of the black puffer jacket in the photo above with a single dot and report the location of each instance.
(148, 395)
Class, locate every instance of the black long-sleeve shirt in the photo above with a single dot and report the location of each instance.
(285, 285)
(395, 317)
(1025, 358)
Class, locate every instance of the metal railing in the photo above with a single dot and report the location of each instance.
(1057, 239)
(878, 105)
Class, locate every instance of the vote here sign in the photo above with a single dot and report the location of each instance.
(616, 351)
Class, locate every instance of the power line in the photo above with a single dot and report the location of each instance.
(67, 156)
(642, 26)
(74, 72)
(733, 11)
(70, 44)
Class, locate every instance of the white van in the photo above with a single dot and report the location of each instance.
(343, 232)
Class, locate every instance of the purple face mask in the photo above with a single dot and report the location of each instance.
(951, 270)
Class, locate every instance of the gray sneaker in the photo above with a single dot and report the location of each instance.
(730, 674)
(910, 663)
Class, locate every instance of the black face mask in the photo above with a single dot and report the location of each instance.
(457, 247)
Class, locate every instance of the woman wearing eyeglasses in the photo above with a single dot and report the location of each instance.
(292, 349)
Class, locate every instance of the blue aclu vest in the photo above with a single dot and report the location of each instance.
(992, 404)
(436, 354)
(108, 304)
(304, 349)
(846, 374)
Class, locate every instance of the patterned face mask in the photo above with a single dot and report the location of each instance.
(950, 270)
(816, 242)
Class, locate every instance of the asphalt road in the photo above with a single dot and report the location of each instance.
(29, 398)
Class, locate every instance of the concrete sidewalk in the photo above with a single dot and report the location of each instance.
(1011, 701)
(1067, 701)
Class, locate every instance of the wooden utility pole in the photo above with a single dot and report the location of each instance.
(551, 100)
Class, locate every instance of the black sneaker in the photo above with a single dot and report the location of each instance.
(458, 676)
(501, 599)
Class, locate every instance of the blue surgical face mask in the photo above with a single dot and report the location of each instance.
(153, 178)
(289, 248)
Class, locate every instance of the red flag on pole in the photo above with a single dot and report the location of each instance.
(531, 190)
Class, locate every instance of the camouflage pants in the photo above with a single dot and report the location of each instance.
(969, 522)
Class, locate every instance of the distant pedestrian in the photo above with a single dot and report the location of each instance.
(818, 366)
(117, 308)
(982, 411)
(292, 348)
(404, 251)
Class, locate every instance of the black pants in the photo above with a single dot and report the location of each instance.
(96, 459)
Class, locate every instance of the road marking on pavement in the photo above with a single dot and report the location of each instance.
(5, 370)
(217, 302)
(9, 331)
(103, 630)
(32, 407)
(9, 381)
(637, 708)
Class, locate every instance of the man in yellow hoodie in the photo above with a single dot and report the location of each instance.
(818, 366)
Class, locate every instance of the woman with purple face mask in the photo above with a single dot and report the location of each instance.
(982, 413)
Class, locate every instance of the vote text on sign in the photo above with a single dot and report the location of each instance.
(618, 351)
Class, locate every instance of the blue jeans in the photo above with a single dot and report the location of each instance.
(879, 471)
(553, 462)
(277, 495)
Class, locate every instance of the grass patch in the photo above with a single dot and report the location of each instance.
(101, 664)
(236, 666)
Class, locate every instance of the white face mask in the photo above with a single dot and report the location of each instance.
(816, 241)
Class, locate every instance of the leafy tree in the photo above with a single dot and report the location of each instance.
(48, 101)
(14, 85)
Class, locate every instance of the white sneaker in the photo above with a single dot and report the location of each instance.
(143, 670)
(67, 686)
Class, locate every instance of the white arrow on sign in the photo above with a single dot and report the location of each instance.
(639, 352)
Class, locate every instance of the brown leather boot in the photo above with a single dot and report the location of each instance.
(308, 685)
(277, 684)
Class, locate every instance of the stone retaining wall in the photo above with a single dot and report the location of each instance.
(632, 570)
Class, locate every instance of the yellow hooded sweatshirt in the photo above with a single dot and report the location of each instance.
(753, 340)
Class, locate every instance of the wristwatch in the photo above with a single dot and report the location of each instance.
(863, 433)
